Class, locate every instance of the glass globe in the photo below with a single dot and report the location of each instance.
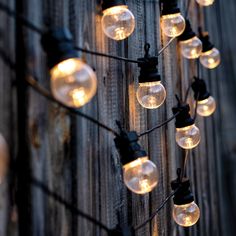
(73, 82)
(4, 158)
(118, 22)
(188, 137)
(210, 59)
(186, 215)
(141, 175)
(173, 25)
(151, 95)
(205, 2)
(191, 48)
(206, 107)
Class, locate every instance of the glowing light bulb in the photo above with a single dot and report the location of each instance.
(118, 22)
(173, 25)
(151, 95)
(4, 158)
(140, 175)
(186, 215)
(188, 137)
(206, 107)
(205, 2)
(191, 48)
(73, 82)
(210, 59)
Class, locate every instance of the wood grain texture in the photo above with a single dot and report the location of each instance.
(78, 160)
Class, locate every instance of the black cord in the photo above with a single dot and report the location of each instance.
(21, 18)
(45, 93)
(67, 205)
(159, 126)
(156, 211)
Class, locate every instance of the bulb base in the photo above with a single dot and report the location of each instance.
(200, 89)
(128, 146)
(183, 118)
(169, 7)
(58, 45)
(183, 194)
(206, 44)
(112, 3)
(148, 67)
(188, 32)
(125, 231)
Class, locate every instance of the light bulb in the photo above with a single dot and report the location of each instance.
(191, 48)
(173, 25)
(206, 107)
(140, 175)
(205, 2)
(210, 59)
(188, 137)
(118, 22)
(73, 82)
(186, 215)
(151, 95)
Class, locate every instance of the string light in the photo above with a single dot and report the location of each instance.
(151, 93)
(118, 21)
(210, 56)
(140, 174)
(72, 81)
(190, 44)
(186, 213)
(187, 133)
(205, 2)
(206, 104)
(172, 22)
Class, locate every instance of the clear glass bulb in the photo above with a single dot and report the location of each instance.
(206, 107)
(210, 59)
(205, 2)
(173, 25)
(118, 22)
(188, 137)
(73, 82)
(4, 158)
(141, 175)
(186, 215)
(151, 95)
(191, 48)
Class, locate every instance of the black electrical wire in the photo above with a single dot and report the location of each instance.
(156, 211)
(67, 205)
(159, 126)
(38, 30)
(45, 93)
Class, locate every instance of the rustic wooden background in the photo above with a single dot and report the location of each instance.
(78, 160)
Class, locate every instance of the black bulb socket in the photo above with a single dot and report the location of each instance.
(206, 44)
(125, 231)
(183, 118)
(188, 32)
(128, 147)
(200, 89)
(169, 7)
(183, 195)
(58, 45)
(148, 69)
(112, 3)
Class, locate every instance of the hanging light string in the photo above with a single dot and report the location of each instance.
(156, 211)
(40, 31)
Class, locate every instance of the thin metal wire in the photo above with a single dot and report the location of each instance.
(156, 211)
(184, 164)
(187, 9)
(159, 126)
(166, 46)
(44, 92)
